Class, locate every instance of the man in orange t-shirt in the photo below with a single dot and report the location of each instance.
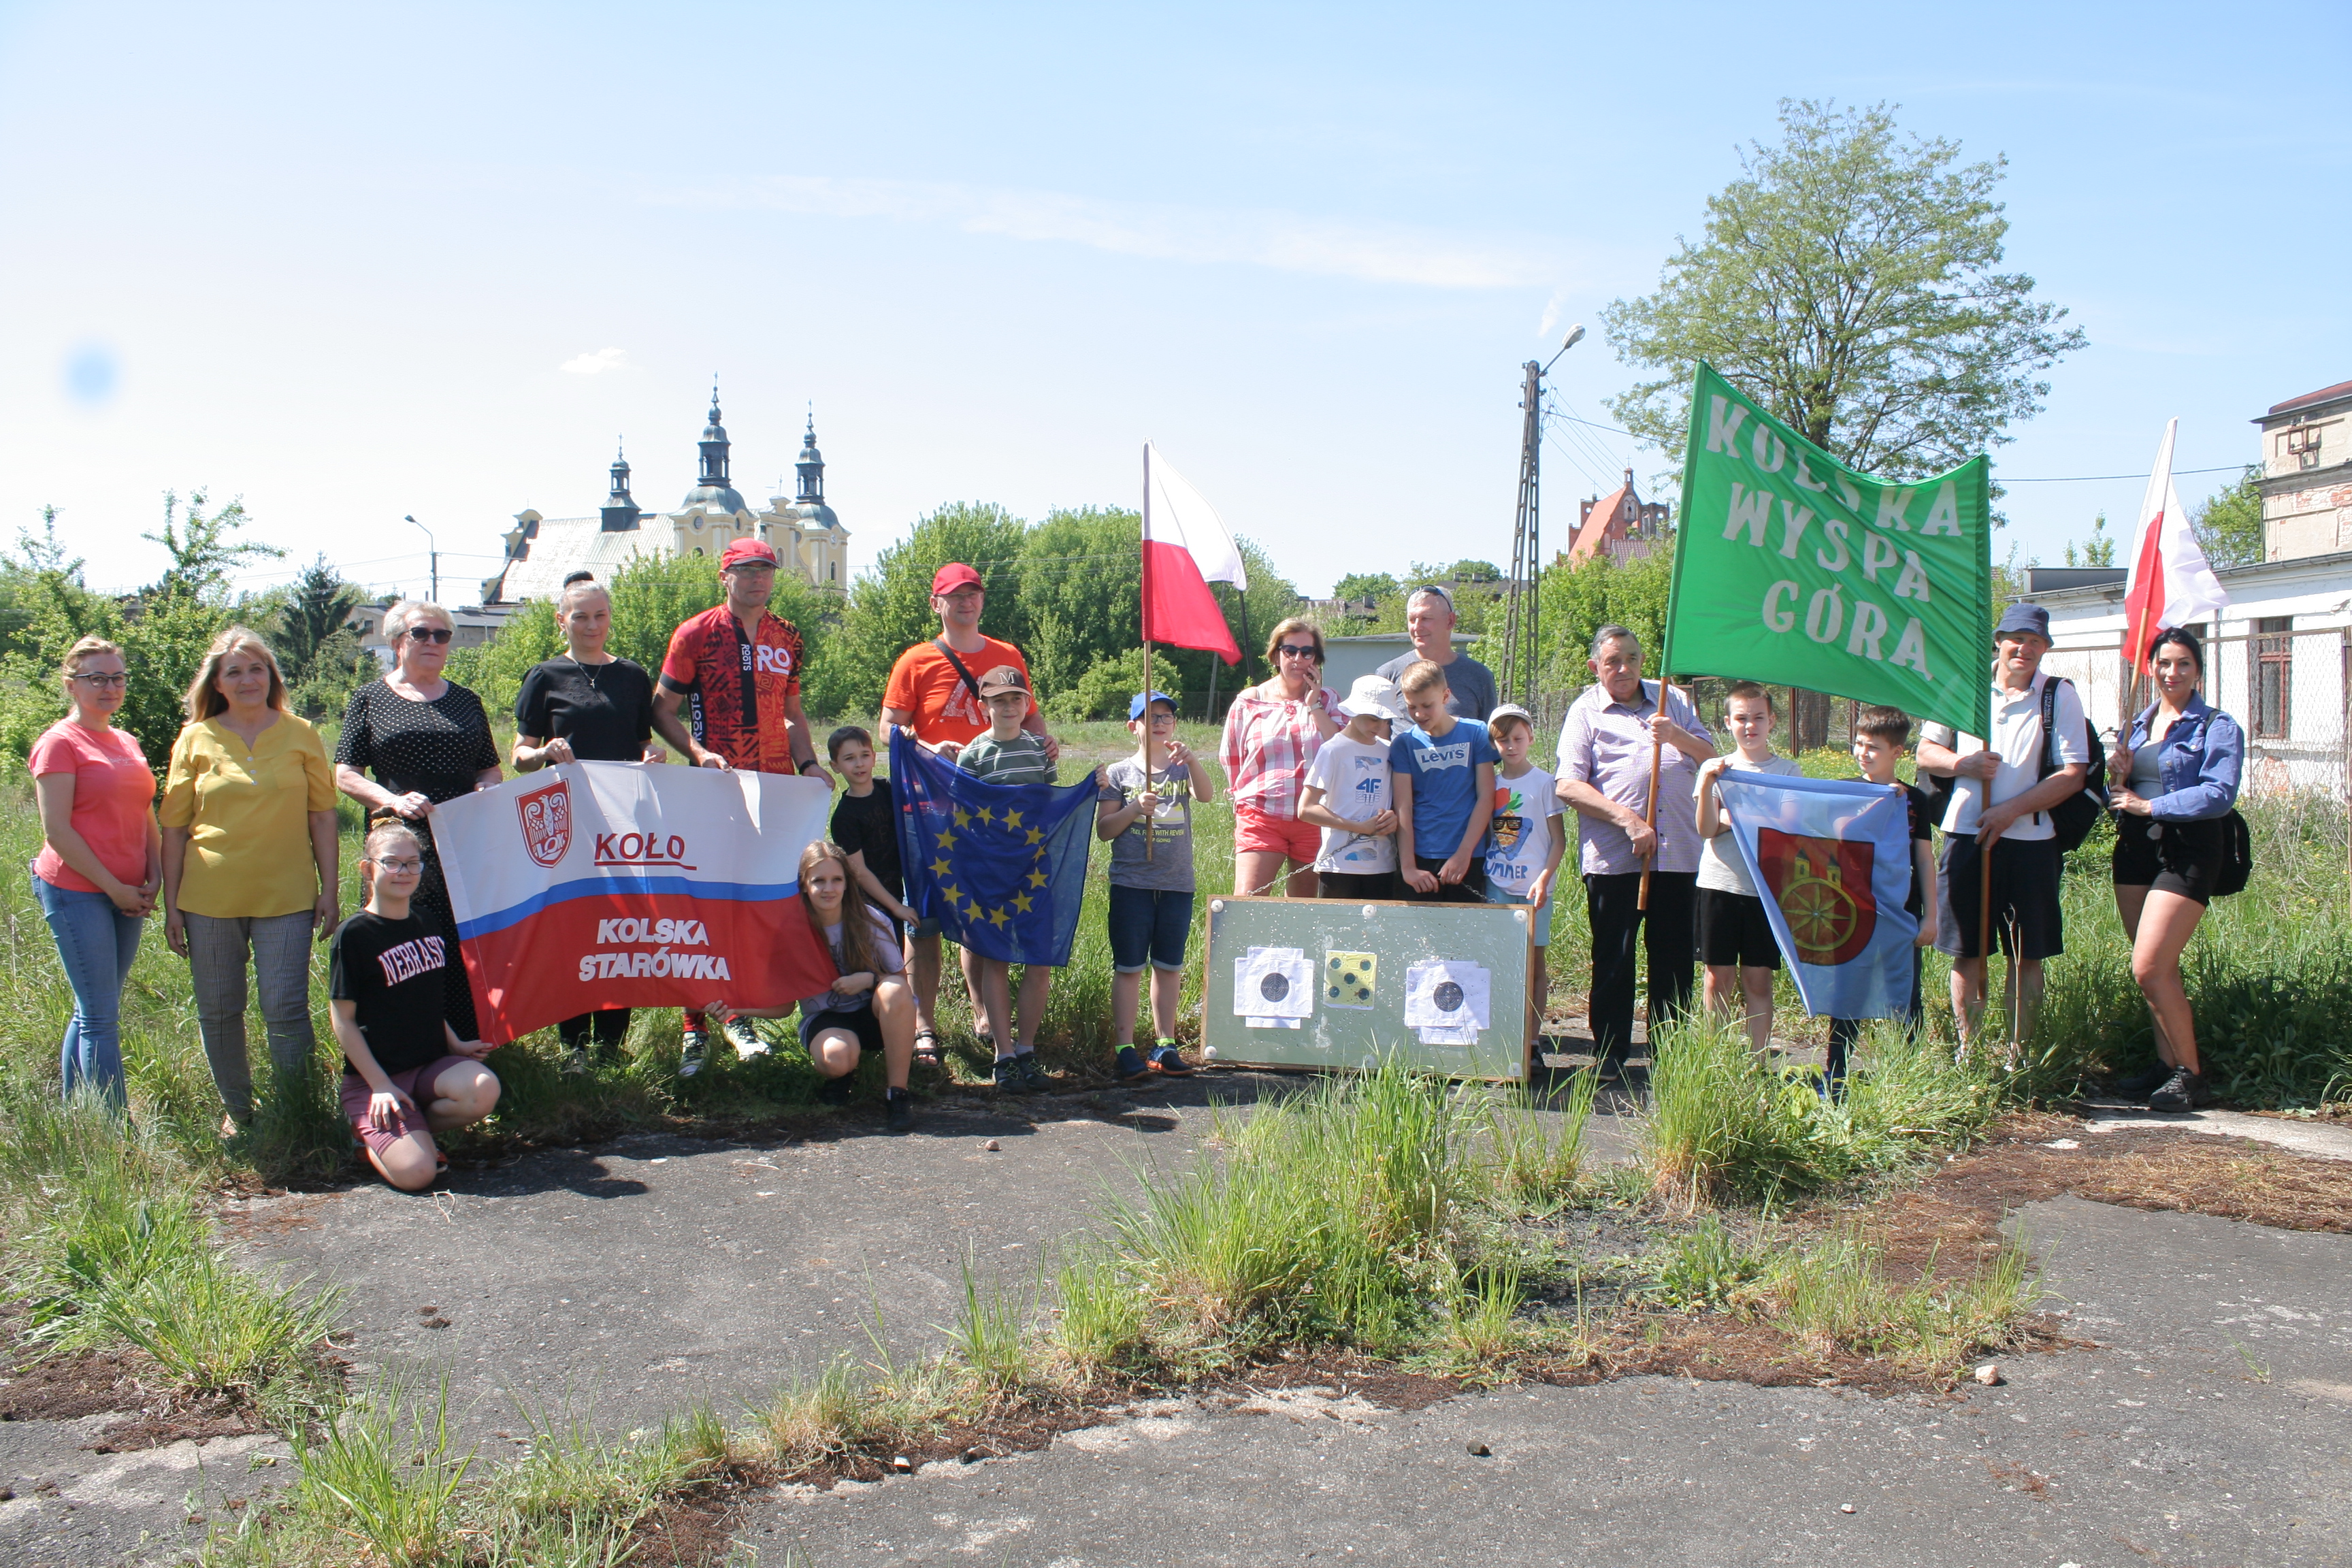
(934, 701)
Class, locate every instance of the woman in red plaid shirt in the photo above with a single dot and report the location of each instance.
(1272, 732)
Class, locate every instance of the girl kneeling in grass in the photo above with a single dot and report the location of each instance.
(871, 1008)
(387, 988)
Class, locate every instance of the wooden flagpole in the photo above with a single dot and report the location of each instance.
(1150, 780)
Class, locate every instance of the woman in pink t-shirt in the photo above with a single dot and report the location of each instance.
(101, 860)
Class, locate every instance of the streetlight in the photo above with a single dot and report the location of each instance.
(434, 553)
(1527, 547)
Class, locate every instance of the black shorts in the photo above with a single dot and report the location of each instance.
(1375, 885)
(2026, 918)
(858, 1021)
(2183, 858)
(1732, 930)
(1470, 890)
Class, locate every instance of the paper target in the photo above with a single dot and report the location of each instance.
(1274, 983)
(1348, 980)
(1446, 993)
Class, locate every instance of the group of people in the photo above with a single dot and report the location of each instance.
(1415, 785)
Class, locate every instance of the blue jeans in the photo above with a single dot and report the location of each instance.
(96, 943)
(1148, 925)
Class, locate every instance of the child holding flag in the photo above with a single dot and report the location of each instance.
(1880, 736)
(1151, 893)
(1735, 939)
(1525, 843)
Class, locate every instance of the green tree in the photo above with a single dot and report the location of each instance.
(1377, 586)
(890, 607)
(1848, 281)
(1474, 572)
(318, 605)
(200, 549)
(2229, 523)
(1081, 588)
(1576, 600)
(2099, 550)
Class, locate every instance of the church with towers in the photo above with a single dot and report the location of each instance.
(808, 539)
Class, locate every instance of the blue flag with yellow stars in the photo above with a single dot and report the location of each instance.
(1002, 868)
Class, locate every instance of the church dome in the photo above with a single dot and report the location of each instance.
(723, 498)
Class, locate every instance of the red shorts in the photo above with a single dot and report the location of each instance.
(416, 1083)
(1283, 835)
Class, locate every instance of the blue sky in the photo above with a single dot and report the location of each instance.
(336, 259)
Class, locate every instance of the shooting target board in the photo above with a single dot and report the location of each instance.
(1327, 983)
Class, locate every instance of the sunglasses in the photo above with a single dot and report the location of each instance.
(429, 634)
(1296, 651)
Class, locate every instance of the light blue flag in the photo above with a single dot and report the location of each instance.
(1833, 860)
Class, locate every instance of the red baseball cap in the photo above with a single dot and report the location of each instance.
(953, 575)
(746, 552)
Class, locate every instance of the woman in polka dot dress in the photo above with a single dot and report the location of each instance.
(428, 739)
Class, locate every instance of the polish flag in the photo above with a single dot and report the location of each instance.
(1185, 549)
(2170, 584)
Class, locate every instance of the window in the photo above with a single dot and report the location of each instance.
(2268, 675)
(2302, 445)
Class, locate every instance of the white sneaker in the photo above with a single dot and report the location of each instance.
(745, 1039)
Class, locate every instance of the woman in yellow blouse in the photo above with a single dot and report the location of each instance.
(249, 861)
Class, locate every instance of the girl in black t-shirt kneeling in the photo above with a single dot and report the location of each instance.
(387, 993)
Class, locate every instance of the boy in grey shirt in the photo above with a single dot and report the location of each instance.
(1150, 877)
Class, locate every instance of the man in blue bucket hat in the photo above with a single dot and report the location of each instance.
(2000, 806)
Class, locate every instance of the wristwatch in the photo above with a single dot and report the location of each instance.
(807, 764)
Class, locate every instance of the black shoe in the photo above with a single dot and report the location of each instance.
(897, 1109)
(2141, 1083)
(837, 1091)
(1009, 1078)
(2183, 1090)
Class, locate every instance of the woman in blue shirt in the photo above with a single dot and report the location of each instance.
(2175, 773)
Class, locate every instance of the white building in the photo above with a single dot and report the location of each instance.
(808, 539)
(2279, 657)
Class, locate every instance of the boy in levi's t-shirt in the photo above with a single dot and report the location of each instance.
(1525, 843)
(1349, 796)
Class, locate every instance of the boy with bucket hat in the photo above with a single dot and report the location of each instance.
(1349, 797)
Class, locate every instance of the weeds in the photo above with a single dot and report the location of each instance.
(1836, 1297)
(1533, 1166)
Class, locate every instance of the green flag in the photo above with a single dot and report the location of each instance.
(1793, 570)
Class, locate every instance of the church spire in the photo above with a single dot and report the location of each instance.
(714, 444)
(811, 465)
(621, 511)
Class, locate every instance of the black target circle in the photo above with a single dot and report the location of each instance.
(1274, 987)
(1448, 997)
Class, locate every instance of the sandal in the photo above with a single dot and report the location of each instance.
(926, 1047)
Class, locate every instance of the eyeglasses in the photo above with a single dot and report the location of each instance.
(429, 634)
(1296, 651)
(406, 864)
(95, 678)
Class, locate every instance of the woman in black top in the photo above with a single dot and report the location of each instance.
(428, 741)
(586, 706)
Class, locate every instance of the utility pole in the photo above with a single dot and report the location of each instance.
(1521, 613)
(433, 554)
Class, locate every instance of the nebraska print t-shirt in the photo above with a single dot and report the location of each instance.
(394, 971)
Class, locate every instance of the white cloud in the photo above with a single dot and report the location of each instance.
(1249, 237)
(598, 362)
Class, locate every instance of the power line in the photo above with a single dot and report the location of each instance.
(2088, 478)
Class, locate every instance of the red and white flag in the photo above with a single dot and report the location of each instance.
(2171, 583)
(1185, 549)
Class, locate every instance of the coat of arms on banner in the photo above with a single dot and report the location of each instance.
(546, 814)
(1823, 886)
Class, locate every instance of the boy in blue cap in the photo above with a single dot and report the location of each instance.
(1150, 877)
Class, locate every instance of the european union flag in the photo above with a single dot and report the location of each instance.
(1002, 867)
(1833, 860)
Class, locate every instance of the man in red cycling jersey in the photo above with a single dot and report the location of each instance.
(736, 670)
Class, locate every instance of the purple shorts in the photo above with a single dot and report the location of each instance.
(416, 1083)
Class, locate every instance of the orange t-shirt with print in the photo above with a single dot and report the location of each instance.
(946, 710)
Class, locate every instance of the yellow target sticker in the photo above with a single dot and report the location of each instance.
(1347, 979)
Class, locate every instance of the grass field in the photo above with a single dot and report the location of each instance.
(1381, 1215)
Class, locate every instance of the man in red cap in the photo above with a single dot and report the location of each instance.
(736, 670)
(934, 694)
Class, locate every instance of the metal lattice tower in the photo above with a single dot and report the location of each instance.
(1520, 642)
